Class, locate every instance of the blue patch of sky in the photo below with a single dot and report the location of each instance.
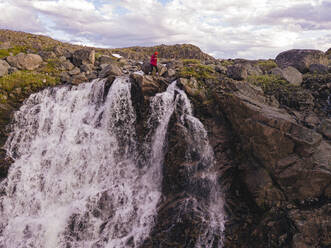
(164, 2)
(119, 10)
(46, 21)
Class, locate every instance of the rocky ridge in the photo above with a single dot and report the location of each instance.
(268, 122)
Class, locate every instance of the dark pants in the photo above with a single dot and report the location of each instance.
(154, 66)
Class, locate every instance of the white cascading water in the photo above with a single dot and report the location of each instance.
(76, 181)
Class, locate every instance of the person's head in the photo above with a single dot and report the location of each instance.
(156, 53)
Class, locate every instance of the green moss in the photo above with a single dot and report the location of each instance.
(26, 79)
(190, 61)
(52, 67)
(15, 50)
(98, 55)
(286, 94)
(200, 72)
(267, 81)
(267, 65)
(226, 62)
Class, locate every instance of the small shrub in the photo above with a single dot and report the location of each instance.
(267, 65)
(200, 72)
(226, 62)
(21, 79)
(98, 55)
(190, 61)
(52, 67)
(14, 50)
(266, 81)
(286, 94)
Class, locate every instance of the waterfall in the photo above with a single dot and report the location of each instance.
(76, 180)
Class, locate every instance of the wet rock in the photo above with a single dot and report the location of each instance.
(77, 79)
(290, 74)
(4, 67)
(25, 61)
(301, 59)
(318, 69)
(91, 76)
(191, 88)
(83, 56)
(148, 85)
(109, 69)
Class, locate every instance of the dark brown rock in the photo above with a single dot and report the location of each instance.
(301, 59)
(77, 79)
(83, 56)
(109, 69)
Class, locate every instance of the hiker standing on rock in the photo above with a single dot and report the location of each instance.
(154, 62)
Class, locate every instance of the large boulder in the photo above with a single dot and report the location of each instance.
(25, 61)
(290, 74)
(83, 56)
(109, 69)
(301, 59)
(3, 68)
(149, 86)
(243, 70)
(146, 67)
(105, 59)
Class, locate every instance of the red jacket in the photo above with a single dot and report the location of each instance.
(154, 60)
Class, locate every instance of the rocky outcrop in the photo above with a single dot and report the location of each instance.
(242, 71)
(25, 61)
(290, 74)
(83, 56)
(301, 59)
(149, 85)
(290, 168)
(4, 66)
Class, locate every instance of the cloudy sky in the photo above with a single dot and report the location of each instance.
(222, 28)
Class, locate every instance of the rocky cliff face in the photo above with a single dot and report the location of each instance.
(271, 137)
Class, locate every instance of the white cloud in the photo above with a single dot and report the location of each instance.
(244, 28)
